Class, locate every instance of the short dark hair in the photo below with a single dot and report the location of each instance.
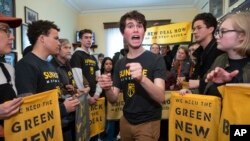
(103, 62)
(166, 46)
(83, 32)
(100, 55)
(191, 44)
(40, 27)
(132, 15)
(27, 50)
(208, 19)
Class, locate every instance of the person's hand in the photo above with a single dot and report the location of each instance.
(70, 88)
(184, 91)
(180, 80)
(10, 108)
(192, 84)
(172, 87)
(219, 75)
(71, 104)
(96, 96)
(92, 100)
(105, 81)
(84, 90)
(176, 64)
(135, 71)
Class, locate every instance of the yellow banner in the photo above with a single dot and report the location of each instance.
(114, 111)
(169, 34)
(194, 117)
(39, 119)
(165, 106)
(235, 109)
(97, 117)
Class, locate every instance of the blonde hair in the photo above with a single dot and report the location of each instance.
(240, 22)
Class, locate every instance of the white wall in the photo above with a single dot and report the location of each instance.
(54, 10)
(203, 5)
(70, 21)
(94, 21)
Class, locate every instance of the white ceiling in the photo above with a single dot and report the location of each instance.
(88, 6)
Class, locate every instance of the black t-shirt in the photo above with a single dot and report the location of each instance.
(233, 65)
(88, 64)
(205, 59)
(34, 75)
(65, 75)
(139, 106)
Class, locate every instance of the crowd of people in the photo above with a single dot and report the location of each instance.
(219, 55)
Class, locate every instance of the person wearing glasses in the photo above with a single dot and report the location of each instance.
(233, 37)
(7, 82)
(204, 26)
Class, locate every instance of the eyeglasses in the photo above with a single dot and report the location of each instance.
(220, 32)
(7, 31)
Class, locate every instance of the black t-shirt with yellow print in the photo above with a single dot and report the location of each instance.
(34, 75)
(139, 106)
(88, 64)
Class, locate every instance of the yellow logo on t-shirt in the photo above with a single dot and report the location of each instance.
(131, 89)
(91, 70)
(126, 74)
(70, 74)
(50, 75)
(90, 62)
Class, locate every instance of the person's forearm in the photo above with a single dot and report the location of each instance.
(111, 96)
(98, 89)
(155, 92)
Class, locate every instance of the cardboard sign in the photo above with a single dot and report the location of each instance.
(97, 117)
(194, 117)
(235, 109)
(114, 111)
(39, 119)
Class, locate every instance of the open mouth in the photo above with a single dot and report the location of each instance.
(135, 37)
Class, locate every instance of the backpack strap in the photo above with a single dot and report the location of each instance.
(5, 72)
(2, 58)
